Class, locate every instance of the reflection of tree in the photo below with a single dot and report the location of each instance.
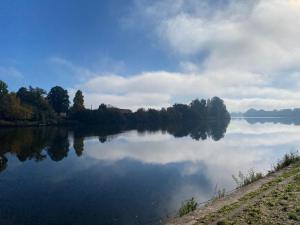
(59, 145)
(31, 143)
(281, 120)
(201, 130)
(26, 143)
(103, 132)
(103, 139)
(78, 145)
(217, 129)
(3, 163)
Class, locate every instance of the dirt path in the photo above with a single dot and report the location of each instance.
(235, 204)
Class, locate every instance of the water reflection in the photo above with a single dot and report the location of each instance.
(85, 176)
(126, 192)
(281, 120)
(29, 143)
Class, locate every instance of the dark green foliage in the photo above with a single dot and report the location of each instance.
(59, 99)
(10, 105)
(293, 216)
(27, 106)
(187, 207)
(224, 222)
(3, 89)
(11, 109)
(78, 102)
(34, 98)
(200, 118)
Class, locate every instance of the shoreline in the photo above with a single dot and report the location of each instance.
(20, 124)
(233, 207)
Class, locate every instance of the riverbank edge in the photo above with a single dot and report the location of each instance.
(216, 208)
(20, 124)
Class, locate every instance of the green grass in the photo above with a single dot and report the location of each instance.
(293, 216)
(187, 207)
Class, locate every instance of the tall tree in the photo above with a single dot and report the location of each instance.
(59, 99)
(3, 88)
(78, 101)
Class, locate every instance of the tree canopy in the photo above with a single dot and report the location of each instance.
(59, 99)
(34, 104)
(3, 88)
(78, 101)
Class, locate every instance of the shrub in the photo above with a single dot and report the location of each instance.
(219, 193)
(243, 180)
(287, 160)
(187, 207)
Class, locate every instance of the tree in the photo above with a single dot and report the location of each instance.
(11, 108)
(78, 101)
(59, 99)
(35, 99)
(199, 108)
(217, 109)
(3, 89)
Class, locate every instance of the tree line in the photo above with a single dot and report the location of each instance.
(289, 113)
(36, 105)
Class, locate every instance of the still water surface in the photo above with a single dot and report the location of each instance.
(56, 176)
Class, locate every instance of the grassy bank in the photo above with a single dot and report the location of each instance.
(276, 202)
(272, 199)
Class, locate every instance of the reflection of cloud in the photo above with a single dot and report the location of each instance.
(241, 149)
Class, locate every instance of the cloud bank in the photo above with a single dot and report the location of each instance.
(245, 52)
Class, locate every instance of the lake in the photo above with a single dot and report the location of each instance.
(59, 176)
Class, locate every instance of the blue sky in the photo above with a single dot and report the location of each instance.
(86, 33)
(139, 53)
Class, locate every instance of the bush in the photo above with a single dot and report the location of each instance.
(187, 207)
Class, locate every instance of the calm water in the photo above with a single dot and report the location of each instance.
(55, 176)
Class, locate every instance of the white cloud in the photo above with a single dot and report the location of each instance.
(247, 52)
(261, 37)
(158, 89)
